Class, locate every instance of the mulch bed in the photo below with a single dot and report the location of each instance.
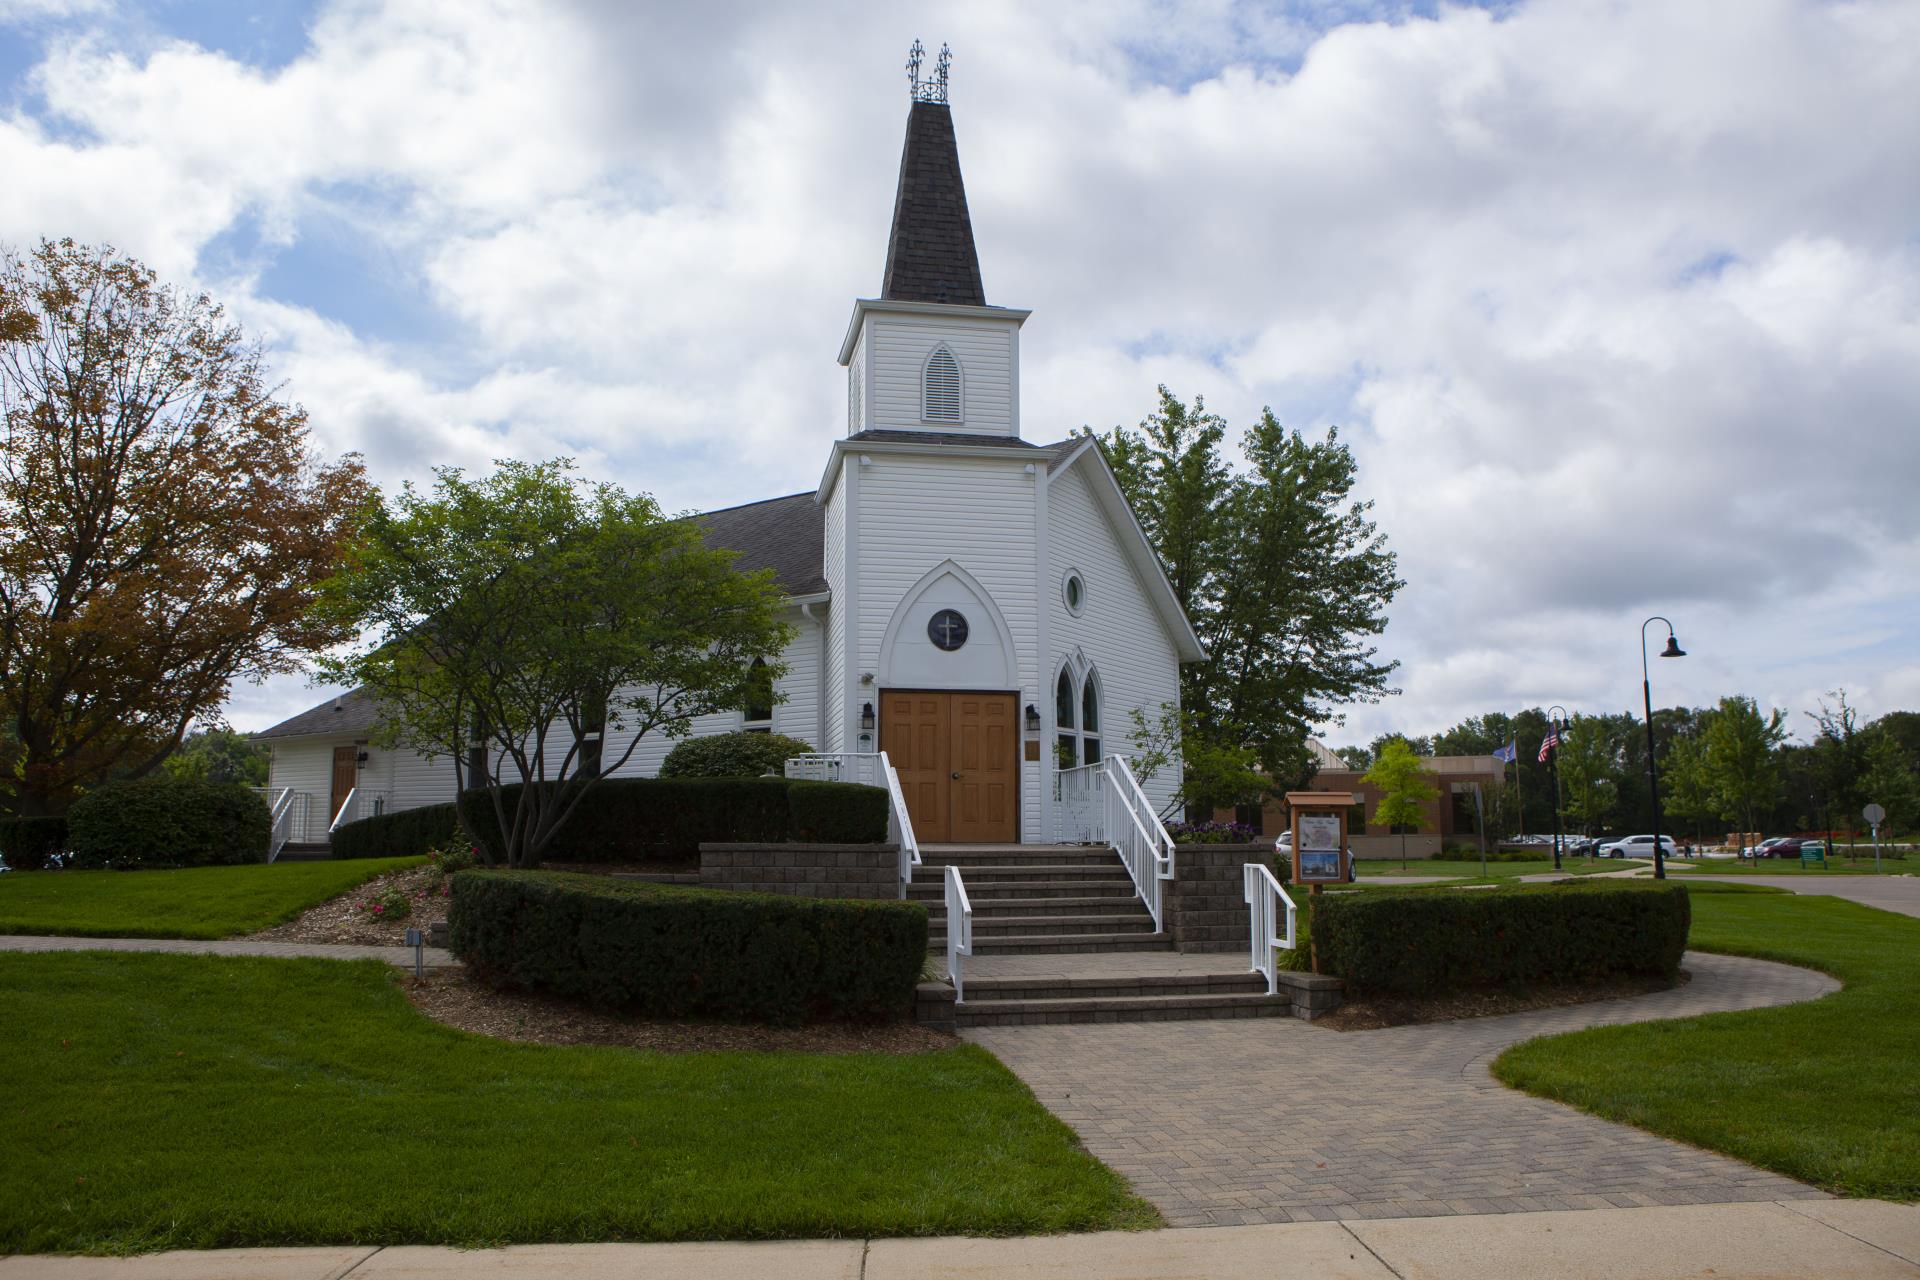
(456, 998)
(345, 919)
(1371, 1015)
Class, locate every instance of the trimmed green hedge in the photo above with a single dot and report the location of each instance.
(637, 819)
(671, 951)
(732, 755)
(1418, 942)
(398, 835)
(168, 822)
(27, 844)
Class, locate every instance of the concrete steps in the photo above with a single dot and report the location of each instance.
(1001, 1002)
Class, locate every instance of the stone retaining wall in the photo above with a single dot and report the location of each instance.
(803, 870)
(1206, 903)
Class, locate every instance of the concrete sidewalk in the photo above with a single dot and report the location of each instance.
(1832, 1240)
(434, 957)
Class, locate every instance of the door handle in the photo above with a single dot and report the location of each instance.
(956, 775)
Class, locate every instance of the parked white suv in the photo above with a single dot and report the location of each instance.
(1638, 847)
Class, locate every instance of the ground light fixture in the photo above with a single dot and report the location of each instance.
(1559, 718)
(1673, 650)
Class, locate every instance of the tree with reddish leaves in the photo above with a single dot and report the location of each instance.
(163, 520)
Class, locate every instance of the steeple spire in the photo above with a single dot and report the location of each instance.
(930, 253)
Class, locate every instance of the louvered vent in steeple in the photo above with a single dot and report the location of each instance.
(940, 387)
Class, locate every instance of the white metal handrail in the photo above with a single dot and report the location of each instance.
(1077, 810)
(280, 807)
(346, 807)
(1264, 895)
(1135, 831)
(900, 824)
(959, 932)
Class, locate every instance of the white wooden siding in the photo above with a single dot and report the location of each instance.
(898, 347)
(306, 765)
(833, 685)
(914, 513)
(1117, 629)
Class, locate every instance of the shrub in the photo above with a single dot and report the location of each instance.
(667, 819)
(732, 755)
(28, 844)
(1417, 942)
(836, 813)
(394, 835)
(1495, 855)
(670, 951)
(168, 822)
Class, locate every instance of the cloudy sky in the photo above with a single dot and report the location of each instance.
(1618, 303)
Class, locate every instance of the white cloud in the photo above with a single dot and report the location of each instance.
(1618, 303)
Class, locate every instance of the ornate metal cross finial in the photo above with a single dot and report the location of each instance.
(935, 89)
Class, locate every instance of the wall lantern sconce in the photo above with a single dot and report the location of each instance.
(866, 716)
(360, 757)
(1033, 718)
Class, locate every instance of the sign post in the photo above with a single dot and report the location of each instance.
(1875, 815)
(1320, 852)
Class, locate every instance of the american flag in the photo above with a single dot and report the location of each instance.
(1548, 743)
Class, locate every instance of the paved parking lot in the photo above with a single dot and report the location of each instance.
(1275, 1120)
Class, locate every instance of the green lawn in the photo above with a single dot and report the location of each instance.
(1826, 1092)
(1469, 867)
(196, 902)
(165, 1102)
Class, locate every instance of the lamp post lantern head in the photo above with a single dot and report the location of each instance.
(1673, 649)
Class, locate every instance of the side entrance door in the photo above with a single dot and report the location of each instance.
(346, 772)
(958, 757)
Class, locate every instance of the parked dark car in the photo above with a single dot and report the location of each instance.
(1777, 847)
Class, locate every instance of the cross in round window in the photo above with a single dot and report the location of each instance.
(947, 629)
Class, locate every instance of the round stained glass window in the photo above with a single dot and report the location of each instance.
(947, 629)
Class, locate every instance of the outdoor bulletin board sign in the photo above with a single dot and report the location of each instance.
(1320, 836)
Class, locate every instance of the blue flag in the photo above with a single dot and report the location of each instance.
(1507, 753)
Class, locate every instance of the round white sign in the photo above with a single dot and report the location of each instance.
(1874, 815)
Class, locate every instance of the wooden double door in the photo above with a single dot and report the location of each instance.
(958, 757)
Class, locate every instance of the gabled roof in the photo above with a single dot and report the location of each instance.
(350, 713)
(1084, 451)
(787, 535)
(930, 253)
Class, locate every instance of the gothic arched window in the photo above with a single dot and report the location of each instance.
(940, 387)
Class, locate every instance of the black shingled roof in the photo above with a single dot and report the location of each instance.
(930, 253)
(885, 435)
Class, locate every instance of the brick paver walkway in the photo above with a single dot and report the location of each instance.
(1274, 1120)
(402, 956)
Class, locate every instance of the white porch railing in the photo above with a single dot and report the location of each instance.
(280, 802)
(871, 769)
(959, 932)
(837, 766)
(1264, 895)
(1103, 803)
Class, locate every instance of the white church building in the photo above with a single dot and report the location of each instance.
(984, 609)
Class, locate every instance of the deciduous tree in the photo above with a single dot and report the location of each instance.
(1405, 788)
(1285, 577)
(520, 613)
(164, 519)
(1741, 759)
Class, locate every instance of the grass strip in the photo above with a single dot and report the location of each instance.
(193, 902)
(204, 1102)
(1824, 1091)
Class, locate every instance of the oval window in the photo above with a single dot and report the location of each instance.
(1075, 592)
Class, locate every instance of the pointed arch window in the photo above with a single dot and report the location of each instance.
(1090, 719)
(1065, 704)
(758, 713)
(940, 387)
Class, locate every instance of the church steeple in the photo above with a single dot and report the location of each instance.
(930, 253)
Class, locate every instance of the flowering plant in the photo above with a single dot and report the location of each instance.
(388, 904)
(1212, 833)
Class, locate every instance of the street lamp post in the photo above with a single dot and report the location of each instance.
(1559, 714)
(1673, 650)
